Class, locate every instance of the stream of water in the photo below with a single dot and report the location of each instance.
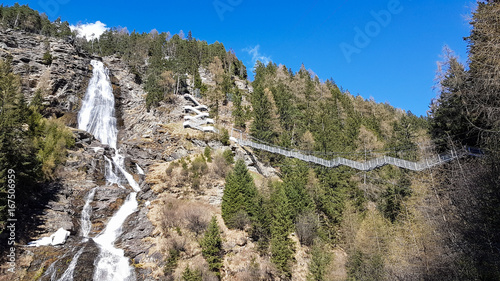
(97, 116)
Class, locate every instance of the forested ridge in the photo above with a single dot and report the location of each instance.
(387, 224)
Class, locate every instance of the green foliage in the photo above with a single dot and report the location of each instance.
(211, 246)
(261, 223)
(448, 112)
(47, 58)
(320, 259)
(191, 275)
(281, 226)
(364, 267)
(172, 260)
(207, 153)
(334, 188)
(238, 113)
(392, 199)
(403, 139)
(239, 194)
(52, 145)
(225, 137)
(295, 175)
(228, 156)
(29, 144)
(22, 17)
(17, 151)
(36, 103)
(261, 125)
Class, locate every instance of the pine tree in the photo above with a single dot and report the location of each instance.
(481, 99)
(217, 95)
(212, 247)
(320, 259)
(261, 127)
(281, 226)
(261, 223)
(403, 139)
(239, 194)
(238, 111)
(294, 182)
(191, 275)
(17, 152)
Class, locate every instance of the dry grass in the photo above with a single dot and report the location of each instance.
(337, 268)
(300, 267)
(189, 175)
(174, 215)
(178, 225)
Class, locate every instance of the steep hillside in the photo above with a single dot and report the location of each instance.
(210, 208)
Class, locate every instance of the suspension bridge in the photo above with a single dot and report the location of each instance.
(426, 163)
(201, 118)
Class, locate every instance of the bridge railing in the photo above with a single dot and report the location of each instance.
(364, 166)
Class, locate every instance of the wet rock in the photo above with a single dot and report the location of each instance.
(84, 269)
(135, 228)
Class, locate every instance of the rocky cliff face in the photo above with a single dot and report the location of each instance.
(62, 82)
(148, 139)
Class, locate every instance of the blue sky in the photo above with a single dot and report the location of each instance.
(385, 49)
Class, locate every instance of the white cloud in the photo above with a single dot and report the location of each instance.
(256, 55)
(89, 30)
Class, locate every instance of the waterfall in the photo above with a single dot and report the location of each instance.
(68, 274)
(112, 263)
(86, 224)
(111, 176)
(139, 169)
(97, 117)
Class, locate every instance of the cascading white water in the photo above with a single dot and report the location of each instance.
(111, 176)
(85, 222)
(68, 274)
(85, 225)
(97, 117)
(139, 169)
(112, 263)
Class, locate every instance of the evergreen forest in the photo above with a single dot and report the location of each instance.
(387, 224)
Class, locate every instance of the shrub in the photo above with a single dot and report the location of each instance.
(199, 166)
(47, 58)
(52, 145)
(170, 213)
(196, 220)
(240, 220)
(191, 275)
(220, 166)
(185, 170)
(207, 154)
(169, 169)
(171, 263)
(195, 182)
(228, 156)
(224, 138)
(306, 227)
